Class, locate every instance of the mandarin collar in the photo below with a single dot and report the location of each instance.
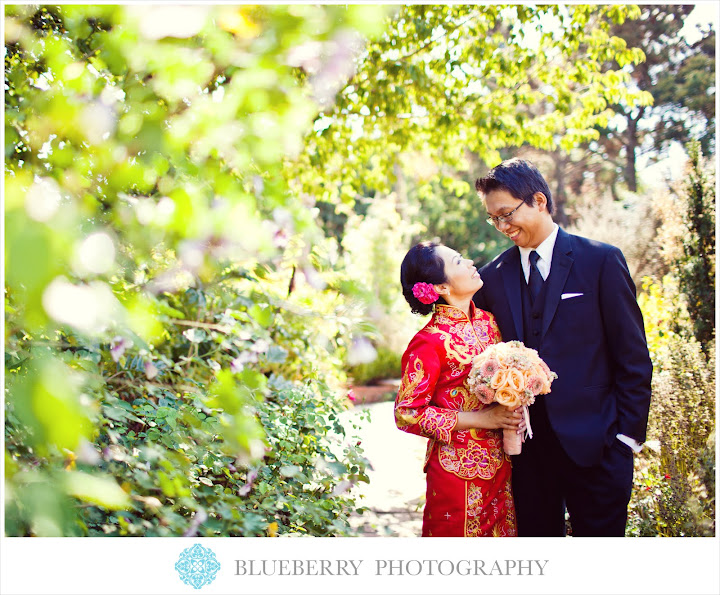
(456, 313)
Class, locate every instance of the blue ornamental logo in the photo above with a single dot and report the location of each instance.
(197, 566)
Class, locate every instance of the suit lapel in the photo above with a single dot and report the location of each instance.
(511, 270)
(562, 262)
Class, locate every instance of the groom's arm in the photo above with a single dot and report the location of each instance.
(627, 346)
(481, 296)
(480, 300)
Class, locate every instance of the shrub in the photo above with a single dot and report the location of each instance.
(148, 348)
(696, 265)
(630, 224)
(386, 365)
(674, 492)
(250, 376)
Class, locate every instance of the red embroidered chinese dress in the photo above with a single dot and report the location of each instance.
(468, 473)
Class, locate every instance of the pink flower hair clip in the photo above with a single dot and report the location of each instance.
(425, 293)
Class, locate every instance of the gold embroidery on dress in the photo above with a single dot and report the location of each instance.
(434, 422)
(411, 380)
(482, 330)
(487, 330)
(460, 398)
(461, 352)
(473, 508)
(456, 369)
(473, 461)
(456, 397)
(482, 434)
(480, 512)
(438, 423)
(414, 375)
(510, 513)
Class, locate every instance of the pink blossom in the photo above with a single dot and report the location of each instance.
(489, 367)
(118, 346)
(150, 370)
(425, 293)
(535, 384)
(486, 394)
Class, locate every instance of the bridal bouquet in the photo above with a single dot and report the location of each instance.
(512, 375)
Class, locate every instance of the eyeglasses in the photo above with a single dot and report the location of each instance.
(491, 220)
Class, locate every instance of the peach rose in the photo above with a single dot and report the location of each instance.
(501, 356)
(516, 380)
(509, 398)
(500, 379)
(508, 378)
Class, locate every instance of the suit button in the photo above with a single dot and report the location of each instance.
(536, 333)
(536, 315)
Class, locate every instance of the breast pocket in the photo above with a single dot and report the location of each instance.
(578, 312)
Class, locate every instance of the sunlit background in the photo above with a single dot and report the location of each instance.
(205, 212)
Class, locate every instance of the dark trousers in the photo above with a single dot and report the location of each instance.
(546, 481)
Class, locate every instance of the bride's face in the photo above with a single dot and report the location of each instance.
(463, 279)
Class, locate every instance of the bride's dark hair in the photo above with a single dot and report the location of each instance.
(422, 264)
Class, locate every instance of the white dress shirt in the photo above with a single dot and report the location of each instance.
(545, 252)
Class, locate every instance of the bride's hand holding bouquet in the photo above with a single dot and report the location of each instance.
(511, 375)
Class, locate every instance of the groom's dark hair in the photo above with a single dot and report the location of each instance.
(518, 177)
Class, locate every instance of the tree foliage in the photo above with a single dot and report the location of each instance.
(684, 95)
(657, 33)
(158, 381)
(447, 81)
(679, 76)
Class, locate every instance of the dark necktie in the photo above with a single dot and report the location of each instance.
(535, 281)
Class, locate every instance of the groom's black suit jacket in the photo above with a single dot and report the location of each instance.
(595, 341)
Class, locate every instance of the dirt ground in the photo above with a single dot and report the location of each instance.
(396, 492)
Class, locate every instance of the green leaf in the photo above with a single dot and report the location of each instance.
(195, 335)
(290, 470)
(102, 491)
(262, 314)
(276, 354)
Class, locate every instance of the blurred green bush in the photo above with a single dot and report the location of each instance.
(259, 375)
(674, 491)
(385, 366)
(167, 371)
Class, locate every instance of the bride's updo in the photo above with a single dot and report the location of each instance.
(421, 264)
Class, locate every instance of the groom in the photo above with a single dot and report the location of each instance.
(571, 299)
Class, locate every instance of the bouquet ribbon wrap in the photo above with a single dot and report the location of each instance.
(512, 441)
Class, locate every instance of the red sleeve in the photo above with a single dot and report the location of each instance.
(413, 413)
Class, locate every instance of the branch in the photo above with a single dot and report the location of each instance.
(641, 112)
(432, 41)
(139, 384)
(214, 327)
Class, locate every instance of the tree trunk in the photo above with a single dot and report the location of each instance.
(560, 195)
(631, 148)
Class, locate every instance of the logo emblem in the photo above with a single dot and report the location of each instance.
(197, 566)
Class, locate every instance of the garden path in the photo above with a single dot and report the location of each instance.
(396, 492)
